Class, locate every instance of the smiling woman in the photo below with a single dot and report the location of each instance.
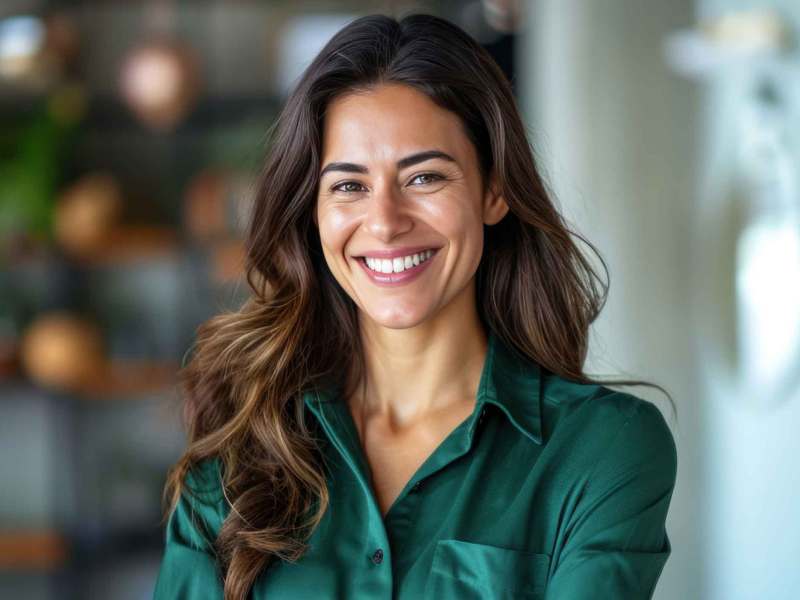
(400, 410)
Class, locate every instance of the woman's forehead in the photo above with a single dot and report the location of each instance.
(388, 124)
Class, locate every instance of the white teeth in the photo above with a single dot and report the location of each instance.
(398, 264)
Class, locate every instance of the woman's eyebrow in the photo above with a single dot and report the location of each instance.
(403, 163)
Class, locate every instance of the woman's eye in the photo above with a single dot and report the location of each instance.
(339, 187)
(433, 177)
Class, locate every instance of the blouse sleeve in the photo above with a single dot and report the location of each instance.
(189, 570)
(617, 544)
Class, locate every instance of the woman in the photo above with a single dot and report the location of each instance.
(400, 408)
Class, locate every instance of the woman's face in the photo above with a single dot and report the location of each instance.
(379, 191)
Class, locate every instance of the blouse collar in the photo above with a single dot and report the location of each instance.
(508, 380)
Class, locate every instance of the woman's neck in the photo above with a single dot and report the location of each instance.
(410, 375)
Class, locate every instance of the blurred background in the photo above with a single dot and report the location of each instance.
(130, 135)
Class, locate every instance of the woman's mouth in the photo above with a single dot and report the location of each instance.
(399, 270)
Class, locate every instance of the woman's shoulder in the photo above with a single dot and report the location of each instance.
(566, 399)
(606, 422)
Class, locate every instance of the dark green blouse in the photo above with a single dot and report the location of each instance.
(549, 489)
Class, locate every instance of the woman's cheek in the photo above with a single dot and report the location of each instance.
(333, 224)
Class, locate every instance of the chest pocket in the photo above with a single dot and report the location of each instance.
(468, 571)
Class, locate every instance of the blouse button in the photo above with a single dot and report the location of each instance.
(377, 556)
(416, 486)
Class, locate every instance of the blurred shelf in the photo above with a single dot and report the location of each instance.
(32, 549)
(125, 245)
(129, 246)
(50, 549)
(124, 380)
(123, 248)
(132, 379)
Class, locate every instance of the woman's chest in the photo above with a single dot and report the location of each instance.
(474, 528)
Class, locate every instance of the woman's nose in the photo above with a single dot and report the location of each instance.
(386, 214)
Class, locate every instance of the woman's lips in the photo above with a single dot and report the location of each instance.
(394, 279)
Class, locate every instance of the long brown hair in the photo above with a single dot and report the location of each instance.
(244, 385)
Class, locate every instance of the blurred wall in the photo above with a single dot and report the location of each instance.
(753, 531)
(613, 129)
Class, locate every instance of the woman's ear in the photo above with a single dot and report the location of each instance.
(494, 202)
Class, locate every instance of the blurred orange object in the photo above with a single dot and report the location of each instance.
(85, 213)
(63, 351)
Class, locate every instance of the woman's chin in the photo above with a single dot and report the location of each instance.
(397, 317)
